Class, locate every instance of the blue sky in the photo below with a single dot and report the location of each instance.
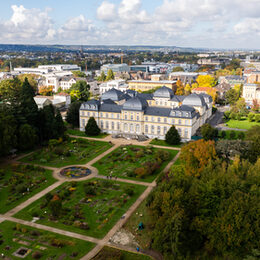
(193, 23)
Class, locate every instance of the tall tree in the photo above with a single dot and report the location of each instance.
(79, 91)
(73, 114)
(110, 75)
(196, 156)
(92, 128)
(172, 136)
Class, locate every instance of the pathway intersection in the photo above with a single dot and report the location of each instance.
(100, 243)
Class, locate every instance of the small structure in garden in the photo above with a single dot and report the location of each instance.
(75, 172)
(22, 252)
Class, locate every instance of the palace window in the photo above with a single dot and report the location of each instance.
(112, 125)
(132, 118)
(118, 126)
(118, 116)
(101, 114)
(158, 130)
(165, 130)
(137, 128)
(165, 120)
(137, 118)
(107, 125)
(179, 122)
(146, 129)
(159, 119)
(152, 129)
(101, 124)
(125, 127)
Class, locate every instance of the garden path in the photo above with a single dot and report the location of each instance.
(100, 242)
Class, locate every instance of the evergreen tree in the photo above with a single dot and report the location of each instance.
(28, 109)
(73, 114)
(92, 128)
(59, 125)
(172, 136)
(27, 137)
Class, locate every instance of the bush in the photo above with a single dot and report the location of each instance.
(208, 132)
(223, 134)
(251, 117)
(36, 255)
(129, 191)
(233, 115)
(227, 114)
(239, 116)
(232, 135)
(241, 135)
(257, 118)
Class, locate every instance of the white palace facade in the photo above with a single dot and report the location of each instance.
(132, 115)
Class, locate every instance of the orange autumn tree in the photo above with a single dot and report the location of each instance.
(196, 156)
(46, 90)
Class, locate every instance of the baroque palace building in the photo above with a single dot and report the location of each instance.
(135, 115)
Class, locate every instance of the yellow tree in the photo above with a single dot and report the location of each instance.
(197, 155)
(187, 89)
(206, 81)
(180, 88)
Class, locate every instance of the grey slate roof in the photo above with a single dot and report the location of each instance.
(114, 95)
(178, 98)
(110, 108)
(136, 104)
(194, 100)
(91, 105)
(163, 92)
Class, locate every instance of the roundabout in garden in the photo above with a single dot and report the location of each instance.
(75, 172)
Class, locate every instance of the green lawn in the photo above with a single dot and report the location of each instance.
(109, 253)
(126, 161)
(48, 245)
(227, 136)
(90, 208)
(20, 182)
(77, 132)
(242, 124)
(163, 143)
(70, 152)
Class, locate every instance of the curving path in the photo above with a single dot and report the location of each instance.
(61, 179)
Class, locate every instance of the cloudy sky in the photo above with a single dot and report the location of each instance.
(186, 23)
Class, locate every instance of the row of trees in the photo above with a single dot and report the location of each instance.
(208, 206)
(22, 125)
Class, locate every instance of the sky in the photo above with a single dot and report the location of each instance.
(186, 23)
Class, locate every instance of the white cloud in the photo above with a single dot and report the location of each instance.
(27, 26)
(106, 11)
(248, 26)
(185, 22)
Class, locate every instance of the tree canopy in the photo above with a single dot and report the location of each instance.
(172, 136)
(79, 91)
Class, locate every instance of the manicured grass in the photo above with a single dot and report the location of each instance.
(70, 152)
(91, 207)
(14, 235)
(124, 161)
(20, 182)
(163, 143)
(80, 133)
(116, 254)
(242, 124)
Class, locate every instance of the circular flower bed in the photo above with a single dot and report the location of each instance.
(75, 172)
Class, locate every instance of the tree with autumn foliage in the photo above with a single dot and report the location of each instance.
(206, 81)
(46, 90)
(179, 88)
(196, 156)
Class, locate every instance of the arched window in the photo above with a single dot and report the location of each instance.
(126, 127)
(107, 125)
(146, 129)
(101, 124)
(165, 130)
(118, 126)
(131, 127)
